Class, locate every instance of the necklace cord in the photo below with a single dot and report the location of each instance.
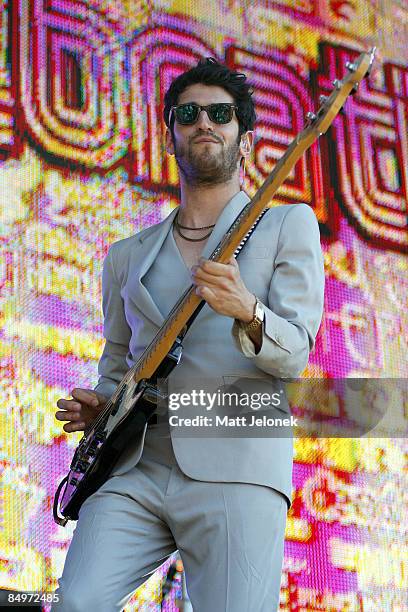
(179, 227)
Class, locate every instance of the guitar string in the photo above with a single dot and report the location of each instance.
(145, 355)
(184, 297)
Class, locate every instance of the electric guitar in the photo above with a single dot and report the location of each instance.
(135, 399)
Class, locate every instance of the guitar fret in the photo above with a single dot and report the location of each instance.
(254, 210)
(187, 307)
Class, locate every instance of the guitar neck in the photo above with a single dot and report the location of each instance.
(189, 302)
(187, 305)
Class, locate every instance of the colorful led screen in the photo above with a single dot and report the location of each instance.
(82, 165)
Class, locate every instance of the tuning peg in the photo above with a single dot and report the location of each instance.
(336, 84)
(323, 99)
(311, 117)
(351, 67)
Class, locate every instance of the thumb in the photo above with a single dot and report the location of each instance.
(102, 399)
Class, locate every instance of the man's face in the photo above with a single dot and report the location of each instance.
(207, 153)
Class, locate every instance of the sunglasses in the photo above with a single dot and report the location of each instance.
(188, 114)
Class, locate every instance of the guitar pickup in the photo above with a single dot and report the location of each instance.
(118, 401)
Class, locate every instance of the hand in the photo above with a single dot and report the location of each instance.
(82, 410)
(221, 286)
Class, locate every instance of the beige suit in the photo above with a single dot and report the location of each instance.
(282, 264)
(199, 495)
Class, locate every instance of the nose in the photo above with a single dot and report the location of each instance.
(203, 121)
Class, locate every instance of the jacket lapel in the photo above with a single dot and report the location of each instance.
(150, 244)
(152, 240)
(228, 215)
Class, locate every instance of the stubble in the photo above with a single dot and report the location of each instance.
(207, 165)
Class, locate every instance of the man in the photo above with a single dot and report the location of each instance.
(222, 502)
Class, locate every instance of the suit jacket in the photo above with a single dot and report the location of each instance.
(282, 264)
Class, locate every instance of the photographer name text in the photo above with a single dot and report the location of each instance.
(236, 421)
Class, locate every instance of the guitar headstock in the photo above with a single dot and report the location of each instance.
(330, 106)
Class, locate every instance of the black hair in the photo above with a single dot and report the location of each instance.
(210, 72)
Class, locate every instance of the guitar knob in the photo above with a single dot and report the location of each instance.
(311, 116)
(336, 84)
(322, 99)
(351, 67)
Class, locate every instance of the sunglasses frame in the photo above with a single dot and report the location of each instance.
(201, 108)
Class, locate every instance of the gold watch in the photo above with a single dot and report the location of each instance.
(257, 320)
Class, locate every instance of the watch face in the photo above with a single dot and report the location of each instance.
(259, 312)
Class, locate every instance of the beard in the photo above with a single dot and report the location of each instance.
(207, 165)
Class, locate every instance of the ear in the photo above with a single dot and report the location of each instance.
(169, 145)
(247, 140)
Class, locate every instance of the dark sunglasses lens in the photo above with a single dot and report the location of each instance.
(187, 113)
(220, 113)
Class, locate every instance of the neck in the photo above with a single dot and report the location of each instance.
(203, 205)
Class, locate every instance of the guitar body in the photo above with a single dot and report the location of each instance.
(100, 448)
(135, 399)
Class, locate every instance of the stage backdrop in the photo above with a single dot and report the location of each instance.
(83, 165)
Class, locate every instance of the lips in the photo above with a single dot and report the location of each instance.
(205, 140)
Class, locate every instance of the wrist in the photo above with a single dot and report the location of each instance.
(249, 313)
(256, 321)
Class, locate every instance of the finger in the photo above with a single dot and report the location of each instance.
(86, 396)
(208, 280)
(71, 427)
(206, 293)
(68, 416)
(214, 267)
(68, 404)
(203, 277)
(102, 399)
(215, 289)
(233, 262)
